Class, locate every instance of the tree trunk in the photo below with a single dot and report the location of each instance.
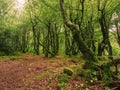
(87, 53)
(105, 44)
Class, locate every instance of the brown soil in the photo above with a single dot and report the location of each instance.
(37, 73)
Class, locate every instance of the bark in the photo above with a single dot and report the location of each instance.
(118, 33)
(36, 40)
(67, 42)
(105, 44)
(51, 43)
(25, 41)
(87, 53)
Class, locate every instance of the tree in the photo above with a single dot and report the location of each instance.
(105, 44)
(76, 34)
(35, 25)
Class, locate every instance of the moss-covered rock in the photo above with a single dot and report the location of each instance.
(68, 71)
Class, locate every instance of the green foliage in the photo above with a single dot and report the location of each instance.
(95, 77)
(37, 77)
(107, 88)
(116, 51)
(13, 58)
(2, 53)
(6, 42)
(63, 80)
(17, 33)
(16, 53)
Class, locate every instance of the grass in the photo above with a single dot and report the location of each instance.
(52, 61)
(62, 79)
(38, 77)
(6, 58)
(13, 58)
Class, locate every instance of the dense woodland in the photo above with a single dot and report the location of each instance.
(89, 29)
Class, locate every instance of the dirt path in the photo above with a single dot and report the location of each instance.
(15, 75)
(38, 73)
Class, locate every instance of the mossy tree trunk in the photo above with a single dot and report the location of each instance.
(87, 53)
(51, 43)
(104, 24)
(25, 41)
(67, 41)
(118, 32)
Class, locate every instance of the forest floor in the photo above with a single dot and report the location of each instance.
(28, 72)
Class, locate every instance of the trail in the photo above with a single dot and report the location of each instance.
(15, 74)
(38, 73)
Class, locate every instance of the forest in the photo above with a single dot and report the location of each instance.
(59, 44)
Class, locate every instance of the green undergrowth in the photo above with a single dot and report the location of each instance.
(38, 77)
(99, 72)
(14, 57)
(11, 58)
(62, 79)
(93, 73)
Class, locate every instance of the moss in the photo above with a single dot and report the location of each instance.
(68, 71)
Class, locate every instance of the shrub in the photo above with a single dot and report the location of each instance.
(2, 54)
(6, 42)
